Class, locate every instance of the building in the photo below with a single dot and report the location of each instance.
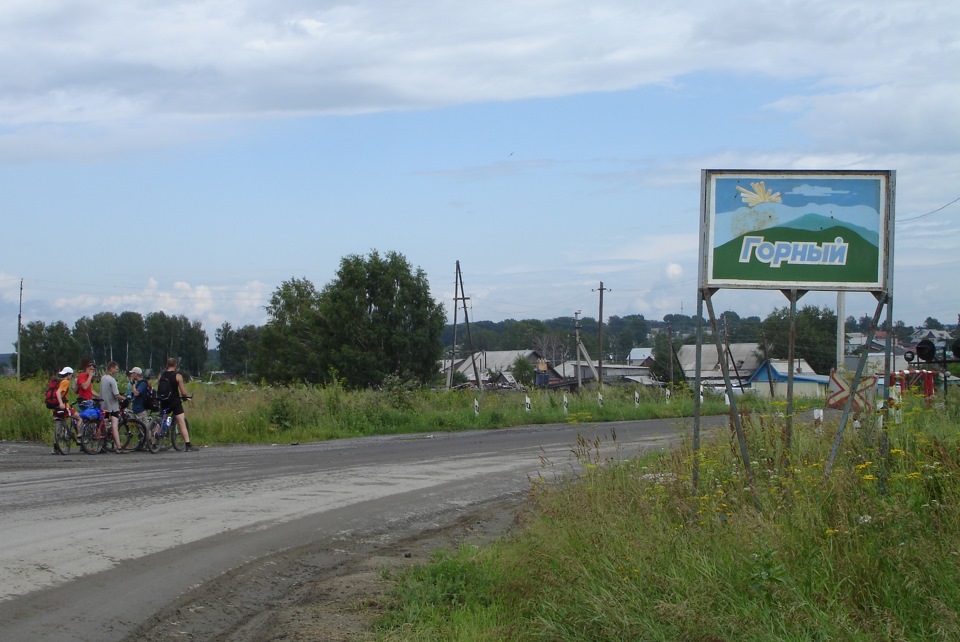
(770, 379)
(494, 366)
(742, 360)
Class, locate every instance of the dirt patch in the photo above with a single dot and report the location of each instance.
(332, 593)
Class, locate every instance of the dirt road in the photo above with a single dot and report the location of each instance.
(264, 542)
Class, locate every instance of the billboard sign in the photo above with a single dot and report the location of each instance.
(784, 229)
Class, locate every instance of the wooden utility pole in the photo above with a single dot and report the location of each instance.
(576, 330)
(19, 325)
(670, 345)
(601, 290)
(460, 295)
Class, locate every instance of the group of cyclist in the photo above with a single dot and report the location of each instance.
(137, 392)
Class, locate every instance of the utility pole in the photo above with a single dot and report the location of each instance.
(453, 348)
(576, 329)
(670, 345)
(19, 325)
(466, 320)
(601, 290)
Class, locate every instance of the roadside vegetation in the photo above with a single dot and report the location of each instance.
(238, 414)
(629, 551)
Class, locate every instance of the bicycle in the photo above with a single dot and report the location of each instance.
(95, 434)
(65, 427)
(165, 431)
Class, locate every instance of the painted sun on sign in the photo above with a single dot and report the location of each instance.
(760, 194)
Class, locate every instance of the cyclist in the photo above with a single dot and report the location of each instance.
(138, 393)
(170, 389)
(85, 382)
(63, 409)
(110, 393)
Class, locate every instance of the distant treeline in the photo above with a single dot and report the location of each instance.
(128, 338)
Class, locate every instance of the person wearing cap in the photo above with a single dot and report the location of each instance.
(63, 408)
(138, 393)
(65, 376)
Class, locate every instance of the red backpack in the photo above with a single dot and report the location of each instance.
(50, 396)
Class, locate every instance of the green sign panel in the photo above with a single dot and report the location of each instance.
(812, 230)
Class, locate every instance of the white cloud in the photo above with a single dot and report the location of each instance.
(109, 65)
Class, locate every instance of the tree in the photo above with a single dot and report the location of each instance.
(740, 329)
(377, 319)
(816, 338)
(623, 334)
(130, 339)
(932, 324)
(522, 370)
(664, 360)
(45, 349)
(519, 335)
(554, 347)
(238, 348)
(290, 343)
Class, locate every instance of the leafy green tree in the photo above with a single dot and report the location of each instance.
(664, 361)
(45, 349)
(522, 370)
(377, 319)
(931, 323)
(520, 335)
(623, 334)
(130, 339)
(238, 348)
(290, 346)
(739, 329)
(816, 338)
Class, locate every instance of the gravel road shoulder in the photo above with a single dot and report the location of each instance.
(332, 591)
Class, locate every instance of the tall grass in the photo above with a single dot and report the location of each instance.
(303, 413)
(627, 551)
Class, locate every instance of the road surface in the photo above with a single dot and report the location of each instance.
(97, 547)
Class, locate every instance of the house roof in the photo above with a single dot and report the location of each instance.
(802, 372)
(497, 361)
(745, 359)
(639, 354)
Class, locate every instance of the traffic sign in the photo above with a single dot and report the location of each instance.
(861, 400)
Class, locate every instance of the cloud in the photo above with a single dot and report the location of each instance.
(815, 190)
(112, 67)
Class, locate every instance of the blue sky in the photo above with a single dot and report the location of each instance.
(190, 156)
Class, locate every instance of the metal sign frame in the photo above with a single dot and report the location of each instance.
(793, 231)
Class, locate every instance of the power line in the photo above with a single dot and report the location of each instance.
(943, 207)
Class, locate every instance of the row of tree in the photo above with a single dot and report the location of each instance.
(128, 338)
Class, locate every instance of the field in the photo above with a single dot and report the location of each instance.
(302, 413)
(631, 550)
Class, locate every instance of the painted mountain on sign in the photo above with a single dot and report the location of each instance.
(819, 223)
(862, 259)
(735, 223)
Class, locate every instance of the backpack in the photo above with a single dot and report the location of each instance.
(149, 397)
(164, 387)
(50, 396)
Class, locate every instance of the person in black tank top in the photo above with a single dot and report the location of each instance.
(174, 403)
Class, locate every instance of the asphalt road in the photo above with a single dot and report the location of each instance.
(94, 547)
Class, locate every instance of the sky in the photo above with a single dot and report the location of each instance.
(191, 156)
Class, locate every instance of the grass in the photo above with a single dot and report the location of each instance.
(305, 413)
(627, 550)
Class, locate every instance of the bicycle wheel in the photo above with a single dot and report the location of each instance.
(151, 438)
(63, 440)
(91, 438)
(132, 431)
(173, 434)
